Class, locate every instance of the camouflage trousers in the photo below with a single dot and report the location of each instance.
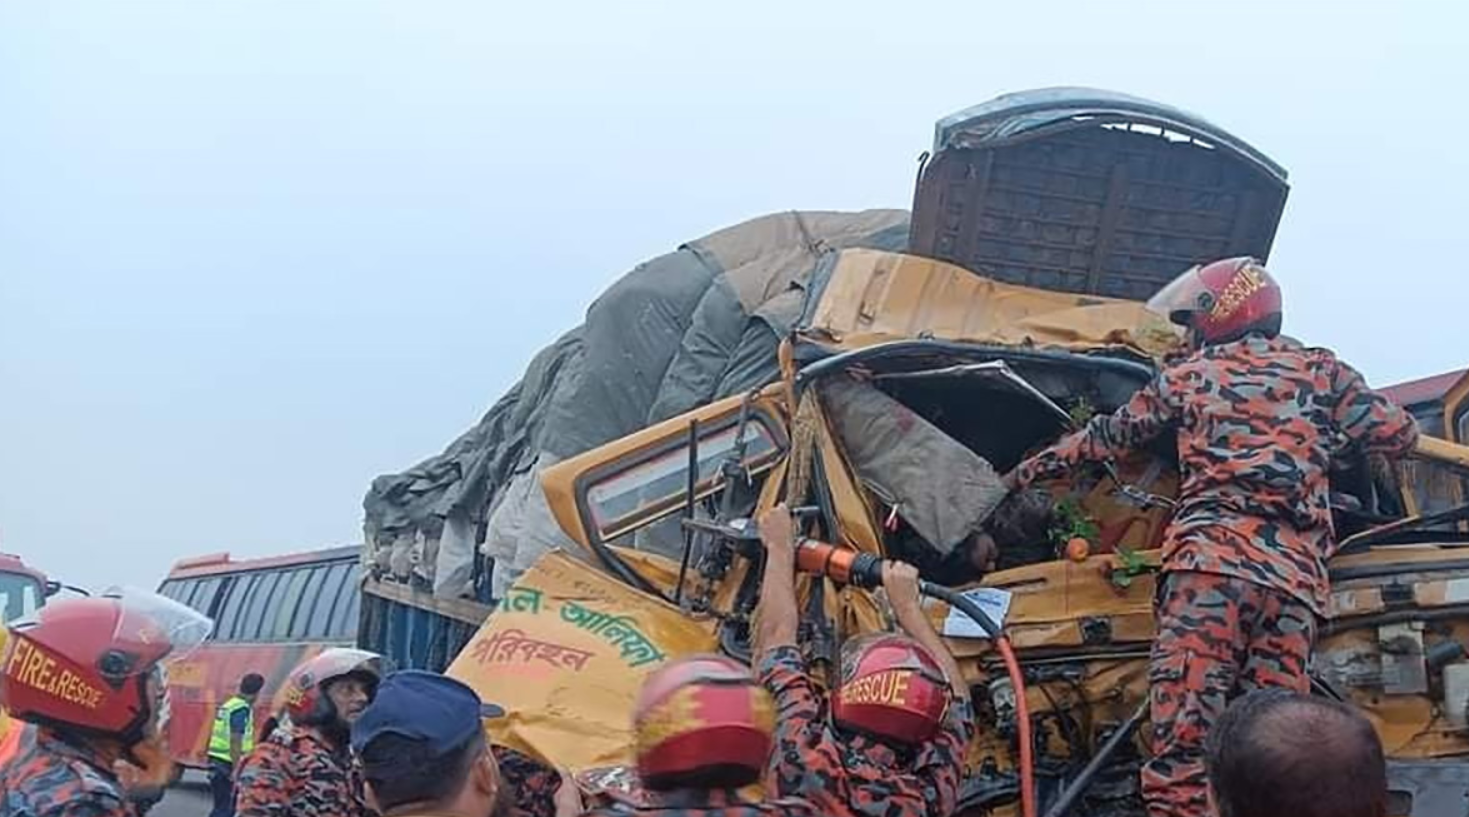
(1218, 637)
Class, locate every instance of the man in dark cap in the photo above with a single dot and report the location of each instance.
(423, 751)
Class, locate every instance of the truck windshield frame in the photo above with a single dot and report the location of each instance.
(627, 493)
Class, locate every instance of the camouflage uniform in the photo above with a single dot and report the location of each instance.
(296, 773)
(51, 777)
(854, 774)
(532, 785)
(689, 803)
(1244, 557)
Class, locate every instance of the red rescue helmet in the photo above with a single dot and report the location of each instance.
(305, 690)
(94, 666)
(703, 721)
(892, 688)
(1222, 301)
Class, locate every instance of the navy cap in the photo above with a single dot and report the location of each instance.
(422, 706)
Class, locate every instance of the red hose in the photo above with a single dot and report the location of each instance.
(1022, 716)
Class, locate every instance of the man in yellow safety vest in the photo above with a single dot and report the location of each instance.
(233, 738)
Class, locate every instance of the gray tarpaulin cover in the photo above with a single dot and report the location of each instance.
(699, 323)
(943, 490)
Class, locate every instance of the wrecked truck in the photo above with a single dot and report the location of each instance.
(1041, 223)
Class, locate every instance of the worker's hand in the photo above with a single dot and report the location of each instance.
(568, 800)
(778, 530)
(900, 581)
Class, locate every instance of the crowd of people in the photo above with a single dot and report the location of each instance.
(1257, 418)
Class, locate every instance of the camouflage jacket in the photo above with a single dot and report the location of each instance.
(845, 774)
(1257, 423)
(50, 777)
(532, 785)
(706, 804)
(296, 773)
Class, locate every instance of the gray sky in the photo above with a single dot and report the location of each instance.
(253, 254)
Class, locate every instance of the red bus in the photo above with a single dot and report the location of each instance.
(269, 615)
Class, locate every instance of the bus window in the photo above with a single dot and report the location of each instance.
(273, 602)
(344, 618)
(170, 589)
(319, 618)
(184, 590)
(249, 628)
(204, 597)
(301, 610)
(252, 584)
(318, 595)
(234, 601)
(289, 598)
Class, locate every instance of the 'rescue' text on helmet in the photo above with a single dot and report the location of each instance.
(32, 667)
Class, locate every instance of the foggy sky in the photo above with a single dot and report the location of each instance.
(253, 254)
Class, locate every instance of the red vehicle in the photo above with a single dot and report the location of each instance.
(23, 589)
(270, 614)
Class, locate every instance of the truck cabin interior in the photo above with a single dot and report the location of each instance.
(1005, 404)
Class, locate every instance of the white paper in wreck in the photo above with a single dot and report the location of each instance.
(993, 601)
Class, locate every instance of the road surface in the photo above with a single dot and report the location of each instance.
(188, 799)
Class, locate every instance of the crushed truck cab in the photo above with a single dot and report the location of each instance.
(1041, 224)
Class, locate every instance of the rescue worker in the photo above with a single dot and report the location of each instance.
(423, 749)
(900, 719)
(232, 737)
(702, 730)
(87, 677)
(1257, 418)
(532, 785)
(305, 769)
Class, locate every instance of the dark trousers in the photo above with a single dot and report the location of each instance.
(222, 786)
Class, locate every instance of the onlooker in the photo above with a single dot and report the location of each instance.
(423, 751)
(1278, 753)
(233, 738)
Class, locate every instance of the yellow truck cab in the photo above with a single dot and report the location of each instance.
(1041, 224)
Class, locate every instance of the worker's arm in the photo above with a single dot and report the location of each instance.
(805, 761)
(1369, 418)
(900, 581)
(777, 614)
(938, 769)
(568, 800)
(1141, 419)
